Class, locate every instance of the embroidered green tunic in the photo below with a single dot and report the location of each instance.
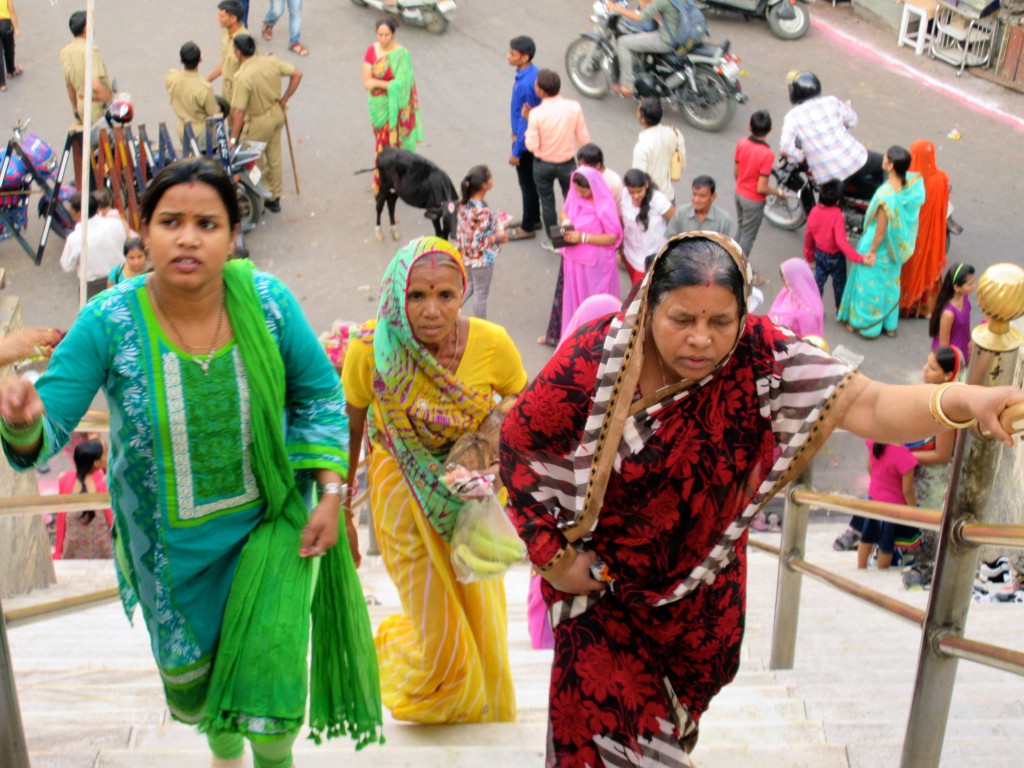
(181, 478)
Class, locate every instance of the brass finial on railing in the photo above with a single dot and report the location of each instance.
(1001, 297)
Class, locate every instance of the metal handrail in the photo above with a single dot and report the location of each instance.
(878, 510)
(58, 502)
(983, 653)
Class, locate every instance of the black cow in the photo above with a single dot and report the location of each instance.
(419, 183)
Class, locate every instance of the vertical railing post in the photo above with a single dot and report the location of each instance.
(12, 737)
(787, 595)
(993, 363)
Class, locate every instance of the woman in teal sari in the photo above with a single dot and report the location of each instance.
(871, 300)
(394, 106)
(224, 412)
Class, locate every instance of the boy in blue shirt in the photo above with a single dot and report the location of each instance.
(521, 51)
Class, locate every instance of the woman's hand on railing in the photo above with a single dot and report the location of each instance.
(992, 406)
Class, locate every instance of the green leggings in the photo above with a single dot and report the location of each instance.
(265, 754)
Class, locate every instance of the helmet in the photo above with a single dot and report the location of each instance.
(119, 111)
(803, 86)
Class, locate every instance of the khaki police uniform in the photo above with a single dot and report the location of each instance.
(72, 61)
(229, 61)
(258, 93)
(192, 100)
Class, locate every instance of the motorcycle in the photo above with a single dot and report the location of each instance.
(17, 173)
(240, 164)
(432, 15)
(790, 212)
(704, 83)
(787, 19)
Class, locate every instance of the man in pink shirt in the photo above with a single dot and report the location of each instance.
(555, 129)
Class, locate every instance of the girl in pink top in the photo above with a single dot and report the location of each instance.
(85, 535)
(798, 305)
(892, 480)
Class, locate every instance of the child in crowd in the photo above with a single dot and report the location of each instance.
(825, 245)
(752, 168)
(891, 468)
(85, 535)
(135, 263)
(798, 305)
(107, 235)
(645, 212)
(931, 476)
(950, 323)
(478, 236)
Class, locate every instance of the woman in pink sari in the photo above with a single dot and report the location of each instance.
(798, 305)
(588, 258)
(599, 305)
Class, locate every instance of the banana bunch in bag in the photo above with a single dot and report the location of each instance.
(485, 543)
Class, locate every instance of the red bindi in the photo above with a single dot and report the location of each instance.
(431, 286)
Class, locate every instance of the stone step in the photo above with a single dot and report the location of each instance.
(793, 756)
(965, 754)
(100, 705)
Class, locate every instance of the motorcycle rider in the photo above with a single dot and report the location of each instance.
(659, 41)
(816, 130)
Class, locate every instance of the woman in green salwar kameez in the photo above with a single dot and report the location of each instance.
(224, 413)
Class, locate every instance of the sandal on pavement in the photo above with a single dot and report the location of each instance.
(17, 71)
(518, 233)
(300, 49)
(268, 31)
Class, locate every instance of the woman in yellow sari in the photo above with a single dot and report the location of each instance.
(429, 375)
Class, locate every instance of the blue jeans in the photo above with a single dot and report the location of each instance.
(294, 18)
(833, 264)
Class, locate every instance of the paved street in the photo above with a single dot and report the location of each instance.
(322, 244)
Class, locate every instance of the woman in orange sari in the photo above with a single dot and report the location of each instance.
(394, 106)
(921, 275)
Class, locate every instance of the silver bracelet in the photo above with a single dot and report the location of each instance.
(332, 489)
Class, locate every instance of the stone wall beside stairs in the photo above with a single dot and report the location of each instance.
(25, 559)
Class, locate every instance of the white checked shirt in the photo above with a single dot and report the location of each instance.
(817, 131)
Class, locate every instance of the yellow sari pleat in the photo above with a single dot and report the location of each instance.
(446, 659)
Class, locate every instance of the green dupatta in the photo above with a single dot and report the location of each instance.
(402, 364)
(398, 106)
(259, 673)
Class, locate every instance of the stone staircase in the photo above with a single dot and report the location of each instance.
(90, 696)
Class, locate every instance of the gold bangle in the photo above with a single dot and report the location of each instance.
(935, 406)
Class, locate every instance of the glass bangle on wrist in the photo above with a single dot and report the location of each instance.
(21, 434)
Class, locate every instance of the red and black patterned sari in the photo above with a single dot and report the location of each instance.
(636, 666)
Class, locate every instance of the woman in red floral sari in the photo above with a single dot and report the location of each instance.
(394, 107)
(635, 463)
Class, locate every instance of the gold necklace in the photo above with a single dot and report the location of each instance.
(202, 362)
